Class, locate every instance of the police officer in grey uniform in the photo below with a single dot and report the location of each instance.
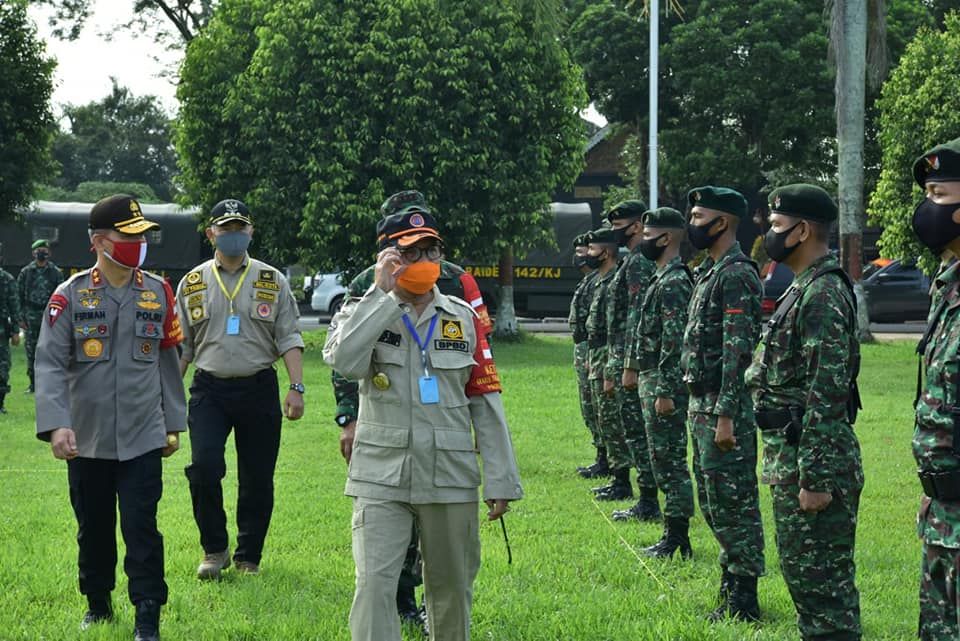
(239, 317)
(110, 401)
(426, 378)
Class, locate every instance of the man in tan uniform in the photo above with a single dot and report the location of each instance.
(239, 317)
(426, 376)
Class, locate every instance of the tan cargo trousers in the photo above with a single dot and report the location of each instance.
(450, 548)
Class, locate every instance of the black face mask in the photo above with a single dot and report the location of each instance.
(775, 244)
(933, 224)
(42, 256)
(579, 261)
(700, 236)
(650, 249)
(621, 235)
(593, 262)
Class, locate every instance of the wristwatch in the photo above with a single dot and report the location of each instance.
(344, 419)
(298, 387)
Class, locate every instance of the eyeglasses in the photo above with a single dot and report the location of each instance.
(413, 254)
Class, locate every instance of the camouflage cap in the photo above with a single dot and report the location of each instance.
(803, 201)
(37, 244)
(940, 164)
(626, 209)
(724, 199)
(603, 235)
(402, 201)
(664, 217)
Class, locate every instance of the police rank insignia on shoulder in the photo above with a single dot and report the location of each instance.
(451, 329)
(390, 338)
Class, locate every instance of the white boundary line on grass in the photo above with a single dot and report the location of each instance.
(613, 527)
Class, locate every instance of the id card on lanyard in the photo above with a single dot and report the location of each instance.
(233, 320)
(429, 389)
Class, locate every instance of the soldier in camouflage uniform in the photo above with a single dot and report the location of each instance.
(802, 382)
(653, 360)
(35, 284)
(723, 327)
(628, 284)
(579, 309)
(936, 441)
(9, 333)
(453, 281)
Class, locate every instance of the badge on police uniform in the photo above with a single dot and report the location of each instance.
(381, 381)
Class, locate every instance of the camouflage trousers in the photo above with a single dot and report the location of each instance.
(4, 363)
(625, 441)
(940, 594)
(728, 494)
(635, 436)
(667, 441)
(580, 354)
(816, 558)
(34, 320)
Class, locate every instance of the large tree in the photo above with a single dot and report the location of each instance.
(26, 124)
(174, 22)
(327, 107)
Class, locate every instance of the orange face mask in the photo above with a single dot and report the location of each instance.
(420, 277)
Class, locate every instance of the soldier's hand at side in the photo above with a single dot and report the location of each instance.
(724, 438)
(664, 406)
(63, 442)
(498, 507)
(629, 379)
(15, 339)
(347, 432)
(813, 502)
(387, 269)
(608, 387)
(173, 444)
(293, 405)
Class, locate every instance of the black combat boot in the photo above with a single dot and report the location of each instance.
(3, 395)
(647, 509)
(743, 599)
(723, 601)
(598, 468)
(675, 537)
(99, 610)
(146, 626)
(619, 489)
(407, 603)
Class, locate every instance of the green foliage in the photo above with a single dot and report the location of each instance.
(324, 108)
(26, 124)
(91, 192)
(917, 112)
(122, 138)
(170, 22)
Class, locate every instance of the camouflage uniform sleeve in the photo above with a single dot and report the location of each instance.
(616, 326)
(12, 304)
(675, 296)
(828, 344)
(346, 393)
(740, 291)
(22, 295)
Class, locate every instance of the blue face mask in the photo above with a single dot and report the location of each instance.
(233, 243)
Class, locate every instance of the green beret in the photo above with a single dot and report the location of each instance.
(39, 243)
(664, 217)
(627, 209)
(729, 201)
(940, 164)
(581, 240)
(803, 201)
(603, 235)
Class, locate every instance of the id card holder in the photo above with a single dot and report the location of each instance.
(429, 390)
(233, 325)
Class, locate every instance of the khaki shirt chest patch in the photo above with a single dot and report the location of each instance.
(267, 296)
(265, 284)
(451, 329)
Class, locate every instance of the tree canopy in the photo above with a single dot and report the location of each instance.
(313, 111)
(26, 123)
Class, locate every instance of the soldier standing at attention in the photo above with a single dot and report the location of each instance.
(804, 393)
(429, 399)
(602, 256)
(35, 284)
(240, 317)
(626, 289)
(110, 402)
(723, 326)
(579, 310)
(653, 359)
(936, 441)
(9, 332)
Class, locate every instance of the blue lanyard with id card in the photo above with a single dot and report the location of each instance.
(429, 390)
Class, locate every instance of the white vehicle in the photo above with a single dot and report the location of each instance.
(328, 293)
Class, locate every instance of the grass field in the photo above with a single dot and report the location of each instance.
(575, 575)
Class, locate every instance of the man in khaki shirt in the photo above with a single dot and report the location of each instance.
(426, 377)
(239, 317)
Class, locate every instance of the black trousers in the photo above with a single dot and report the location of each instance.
(95, 487)
(250, 407)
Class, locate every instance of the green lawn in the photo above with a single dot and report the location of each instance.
(575, 576)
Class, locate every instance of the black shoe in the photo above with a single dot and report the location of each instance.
(3, 396)
(99, 610)
(146, 625)
(646, 509)
(743, 599)
(602, 489)
(675, 538)
(407, 603)
(598, 468)
(723, 605)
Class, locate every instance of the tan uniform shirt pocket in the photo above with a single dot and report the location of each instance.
(456, 464)
(379, 452)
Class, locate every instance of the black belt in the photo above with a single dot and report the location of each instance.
(773, 419)
(943, 486)
(255, 377)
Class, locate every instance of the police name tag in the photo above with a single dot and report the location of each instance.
(429, 391)
(233, 325)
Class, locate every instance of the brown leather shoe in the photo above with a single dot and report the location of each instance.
(247, 567)
(212, 564)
